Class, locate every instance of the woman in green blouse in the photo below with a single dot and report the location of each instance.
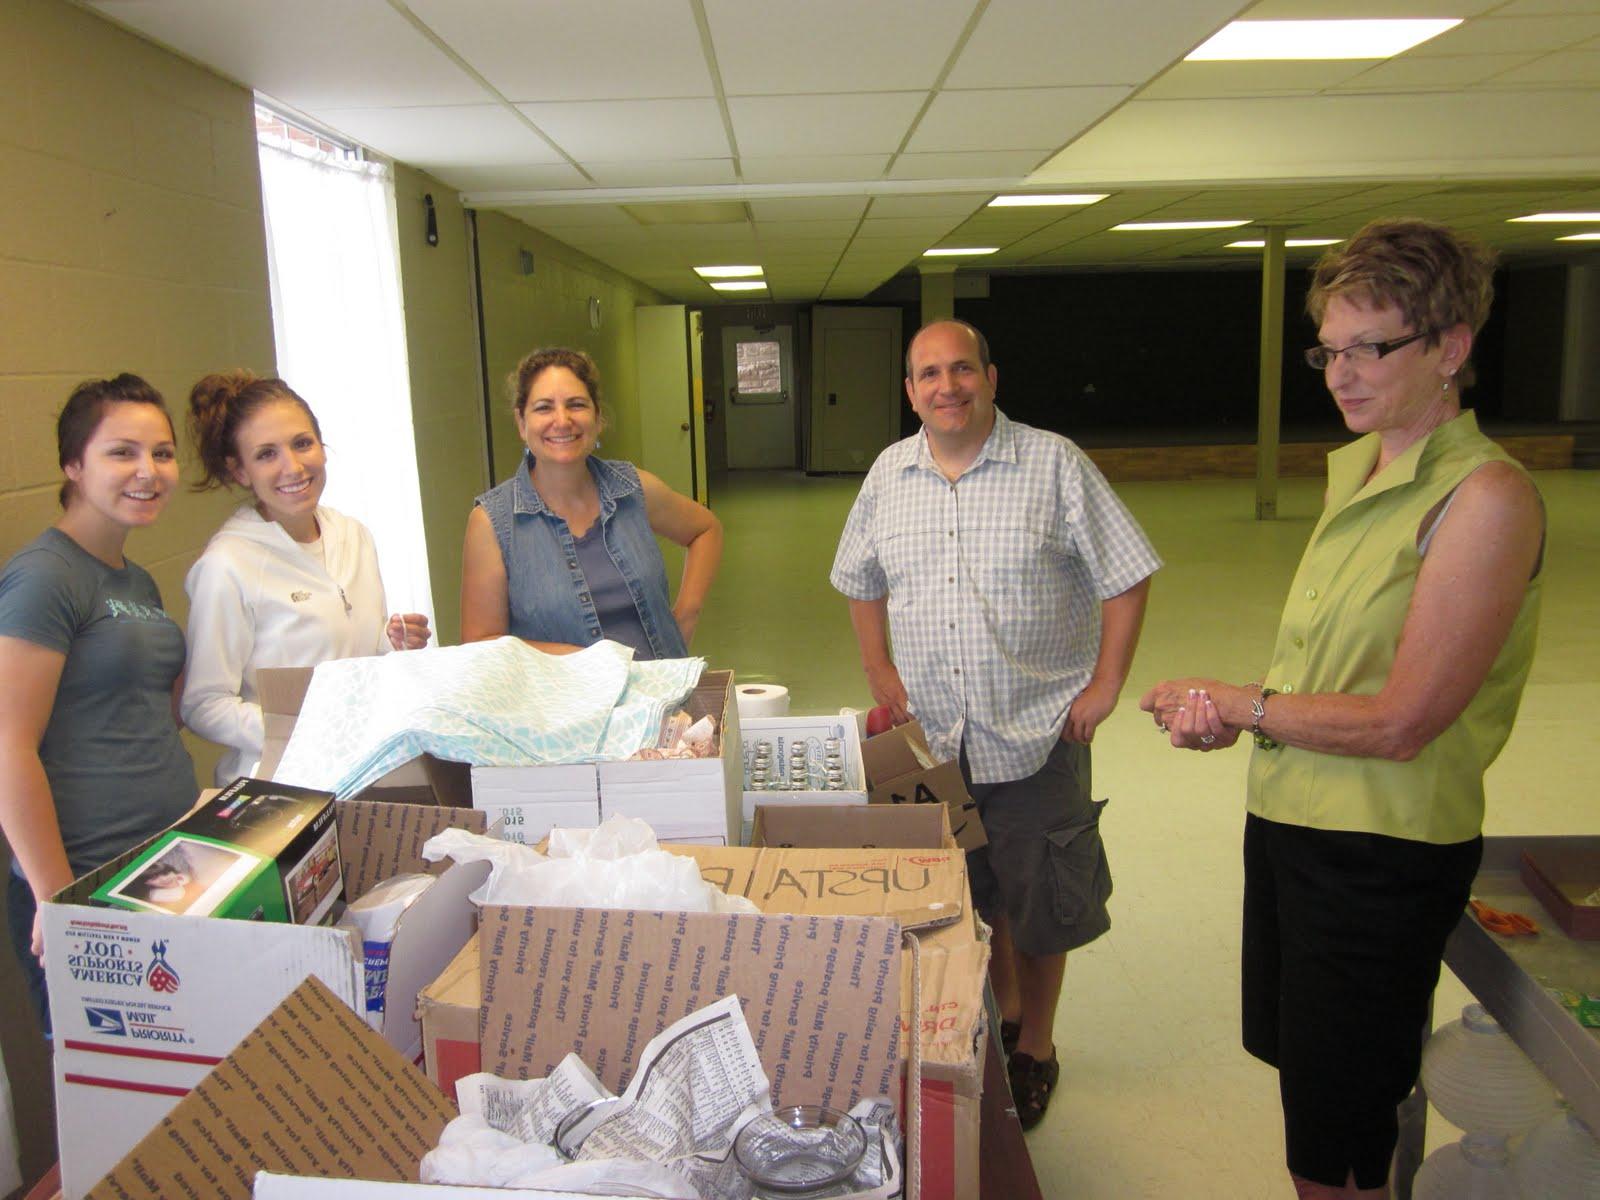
(1395, 677)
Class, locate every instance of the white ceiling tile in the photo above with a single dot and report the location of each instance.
(363, 54)
(1531, 8)
(1023, 43)
(914, 228)
(602, 50)
(1438, 73)
(807, 229)
(814, 168)
(633, 130)
(840, 123)
(512, 178)
(1504, 35)
(1011, 119)
(1290, 10)
(683, 172)
(1188, 80)
(573, 216)
(951, 204)
(967, 164)
(833, 45)
(809, 208)
(1560, 69)
(468, 135)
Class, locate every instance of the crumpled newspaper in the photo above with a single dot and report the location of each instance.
(619, 864)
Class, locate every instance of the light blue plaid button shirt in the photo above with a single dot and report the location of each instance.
(994, 584)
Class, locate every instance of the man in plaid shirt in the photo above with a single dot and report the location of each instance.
(1013, 582)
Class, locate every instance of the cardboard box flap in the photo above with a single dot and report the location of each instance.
(915, 888)
(820, 993)
(385, 839)
(819, 826)
(311, 1091)
(955, 966)
(896, 752)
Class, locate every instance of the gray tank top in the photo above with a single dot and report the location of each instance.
(613, 603)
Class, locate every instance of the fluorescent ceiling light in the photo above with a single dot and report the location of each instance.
(1262, 245)
(1318, 39)
(1575, 217)
(1162, 226)
(1580, 237)
(741, 285)
(958, 251)
(726, 272)
(1043, 199)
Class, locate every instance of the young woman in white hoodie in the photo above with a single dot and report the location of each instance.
(286, 582)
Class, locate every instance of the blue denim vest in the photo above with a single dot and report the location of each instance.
(549, 600)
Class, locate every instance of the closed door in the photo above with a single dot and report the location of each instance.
(666, 394)
(856, 386)
(758, 373)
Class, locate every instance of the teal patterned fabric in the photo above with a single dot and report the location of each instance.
(495, 704)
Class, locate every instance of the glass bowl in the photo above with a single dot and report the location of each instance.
(799, 1150)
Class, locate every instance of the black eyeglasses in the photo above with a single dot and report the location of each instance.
(1318, 357)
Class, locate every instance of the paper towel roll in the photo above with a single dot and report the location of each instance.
(762, 700)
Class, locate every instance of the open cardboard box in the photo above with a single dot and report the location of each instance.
(424, 780)
(898, 770)
(1562, 880)
(923, 886)
(144, 1004)
(311, 1103)
(683, 799)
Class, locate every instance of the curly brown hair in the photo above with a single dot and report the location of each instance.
(534, 364)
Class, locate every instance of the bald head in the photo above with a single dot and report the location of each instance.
(979, 342)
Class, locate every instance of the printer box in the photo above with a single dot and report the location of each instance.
(256, 851)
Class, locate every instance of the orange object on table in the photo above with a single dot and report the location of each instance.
(1511, 924)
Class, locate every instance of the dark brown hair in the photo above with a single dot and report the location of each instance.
(520, 381)
(1437, 278)
(222, 402)
(86, 408)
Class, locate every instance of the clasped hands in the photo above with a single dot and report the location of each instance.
(1190, 712)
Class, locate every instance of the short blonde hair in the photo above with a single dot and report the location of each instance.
(1435, 276)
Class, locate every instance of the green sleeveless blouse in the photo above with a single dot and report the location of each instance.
(1340, 627)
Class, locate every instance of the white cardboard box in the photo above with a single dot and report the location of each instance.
(145, 1004)
(781, 731)
(683, 799)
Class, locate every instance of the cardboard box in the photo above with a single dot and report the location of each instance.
(923, 885)
(255, 851)
(781, 732)
(948, 1016)
(145, 1003)
(310, 1091)
(1562, 880)
(425, 780)
(683, 799)
(900, 769)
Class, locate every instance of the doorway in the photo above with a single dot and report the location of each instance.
(758, 383)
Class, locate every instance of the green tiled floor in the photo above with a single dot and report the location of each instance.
(1157, 1099)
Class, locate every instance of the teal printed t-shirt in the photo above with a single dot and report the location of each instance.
(118, 771)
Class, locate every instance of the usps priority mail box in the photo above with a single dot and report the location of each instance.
(144, 1004)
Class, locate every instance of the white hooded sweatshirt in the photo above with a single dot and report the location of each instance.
(257, 598)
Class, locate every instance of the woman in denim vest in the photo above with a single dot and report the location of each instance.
(564, 552)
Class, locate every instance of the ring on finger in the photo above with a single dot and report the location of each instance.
(1162, 726)
(1206, 739)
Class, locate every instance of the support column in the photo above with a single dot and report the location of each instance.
(1269, 389)
(938, 291)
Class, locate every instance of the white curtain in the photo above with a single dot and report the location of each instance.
(340, 329)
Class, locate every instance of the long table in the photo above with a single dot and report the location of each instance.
(1509, 977)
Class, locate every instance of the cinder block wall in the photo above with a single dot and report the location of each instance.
(130, 239)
